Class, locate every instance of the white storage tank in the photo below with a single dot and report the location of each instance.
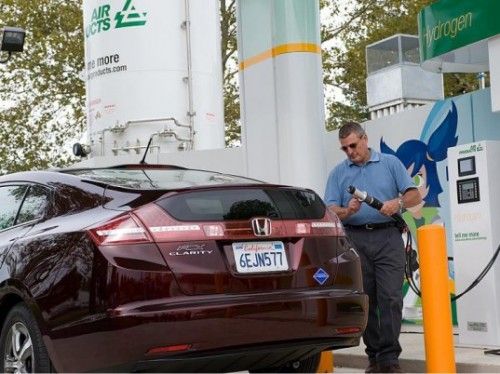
(153, 67)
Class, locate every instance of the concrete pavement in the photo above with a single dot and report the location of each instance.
(412, 359)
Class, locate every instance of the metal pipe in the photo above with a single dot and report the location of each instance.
(118, 128)
(174, 134)
(132, 148)
(177, 123)
(482, 80)
(159, 134)
(191, 113)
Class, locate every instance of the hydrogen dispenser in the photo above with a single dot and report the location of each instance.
(474, 175)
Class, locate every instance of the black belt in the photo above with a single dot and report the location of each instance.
(371, 226)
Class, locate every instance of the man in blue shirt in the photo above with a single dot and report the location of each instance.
(376, 237)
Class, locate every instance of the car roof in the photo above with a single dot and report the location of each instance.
(162, 177)
(38, 176)
(125, 166)
(74, 176)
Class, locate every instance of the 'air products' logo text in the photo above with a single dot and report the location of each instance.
(103, 15)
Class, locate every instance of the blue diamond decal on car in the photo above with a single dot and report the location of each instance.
(321, 276)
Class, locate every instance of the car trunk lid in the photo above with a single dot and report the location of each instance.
(245, 239)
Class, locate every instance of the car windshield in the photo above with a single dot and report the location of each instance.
(149, 179)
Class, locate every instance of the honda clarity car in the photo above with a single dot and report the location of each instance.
(163, 268)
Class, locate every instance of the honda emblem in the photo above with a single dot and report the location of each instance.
(261, 226)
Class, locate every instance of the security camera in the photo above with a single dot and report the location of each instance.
(13, 39)
(81, 150)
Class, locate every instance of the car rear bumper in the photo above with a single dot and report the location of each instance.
(259, 357)
(224, 333)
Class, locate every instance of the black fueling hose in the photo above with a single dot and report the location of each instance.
(411, 282)
(480, 276)
(411, 255)
(411, 263)
(374, 203)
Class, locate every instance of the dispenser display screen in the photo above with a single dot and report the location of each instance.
(466, 166)
(468, 190)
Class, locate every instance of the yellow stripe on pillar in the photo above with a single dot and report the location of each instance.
(279, 50)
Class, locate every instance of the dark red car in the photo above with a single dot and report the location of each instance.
(144, 268)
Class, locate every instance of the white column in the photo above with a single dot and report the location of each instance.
(282, 91)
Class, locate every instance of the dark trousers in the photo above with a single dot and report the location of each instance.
(383, 260)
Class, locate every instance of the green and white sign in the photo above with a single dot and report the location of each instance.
(478, 147)
(450, 25)
(105, 18)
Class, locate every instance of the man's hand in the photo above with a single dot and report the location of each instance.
(390, 207)
(353, 206)
(345, 212)
(411, 200)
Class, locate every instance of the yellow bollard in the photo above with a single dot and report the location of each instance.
(325, 363)
(436, 307)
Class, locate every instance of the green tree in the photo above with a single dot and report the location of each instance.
(368, 21)
(230, 72)
(330, 28)
(42, 99)
(41, 95)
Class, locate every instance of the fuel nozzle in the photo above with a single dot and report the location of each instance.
(374, 203)
(363, 196)
(411, 255)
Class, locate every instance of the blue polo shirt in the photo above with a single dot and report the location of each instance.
(383, 177)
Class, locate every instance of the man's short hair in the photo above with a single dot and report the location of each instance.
(351, 127)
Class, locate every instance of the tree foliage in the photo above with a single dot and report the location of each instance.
(369, 21)
(42, 98)
(230, 72)
(41, 95)
(329, 30)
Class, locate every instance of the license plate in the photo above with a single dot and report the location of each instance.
(260, 257)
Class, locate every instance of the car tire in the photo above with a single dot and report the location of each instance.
(307, 365)
(21, 345)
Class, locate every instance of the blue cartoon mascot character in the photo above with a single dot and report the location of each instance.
(420, 158)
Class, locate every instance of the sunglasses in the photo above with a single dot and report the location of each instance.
(352, 145)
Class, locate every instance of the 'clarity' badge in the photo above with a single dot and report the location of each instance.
(321, 276)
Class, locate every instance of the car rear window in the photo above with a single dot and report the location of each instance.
(152, 179)
(11, 198)
(34, 205)
(241, 204)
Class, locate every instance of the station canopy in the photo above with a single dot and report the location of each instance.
(454, 35)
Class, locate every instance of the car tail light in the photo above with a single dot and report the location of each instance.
(150, 222)
(330, 225)
(213, 231)
(348, 330)
(168, 349)
(316, 228)
(303, 228)
(164, 228)
(123, 229)
(332, 217)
